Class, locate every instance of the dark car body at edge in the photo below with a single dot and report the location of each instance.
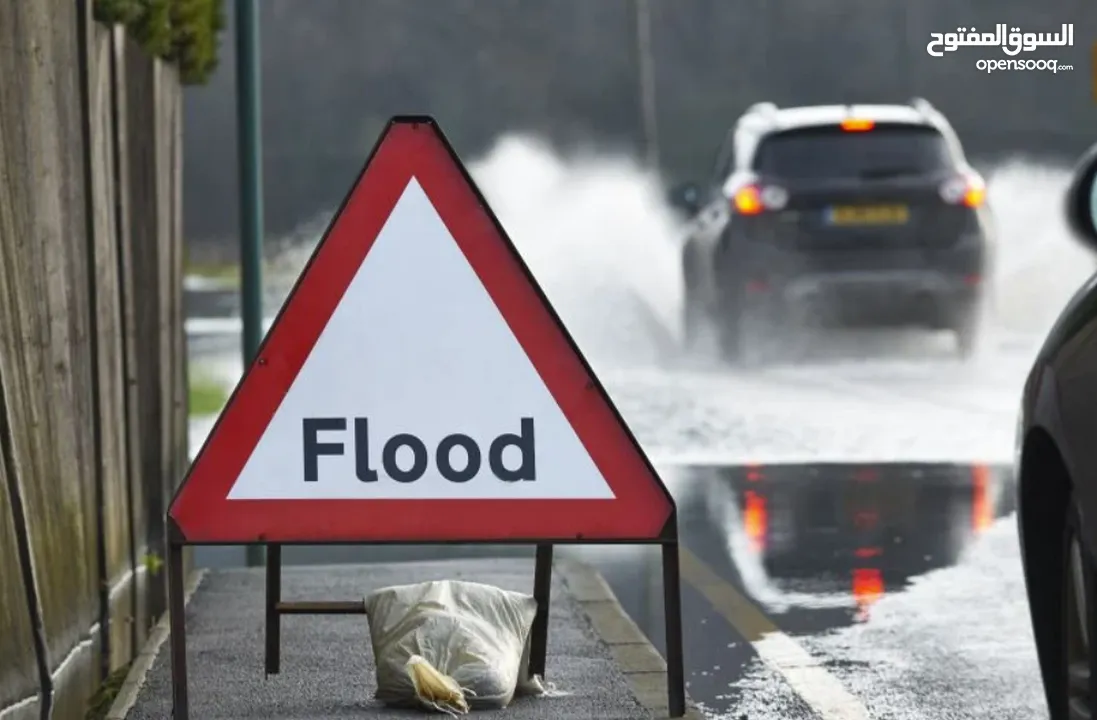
(1057, 483)
(836, 215)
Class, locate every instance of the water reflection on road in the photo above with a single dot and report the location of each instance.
(820, 537)
(806, 548)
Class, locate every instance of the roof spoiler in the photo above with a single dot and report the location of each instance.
(922, 105)
(762, 107)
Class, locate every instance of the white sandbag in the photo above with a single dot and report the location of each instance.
(475, 636)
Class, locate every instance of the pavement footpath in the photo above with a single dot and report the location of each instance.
(599, 662)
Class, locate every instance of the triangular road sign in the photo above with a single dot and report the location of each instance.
(418, 387)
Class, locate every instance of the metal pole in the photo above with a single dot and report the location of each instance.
(1093, 71)
(273, 615)
(542, 593)
(672, 608)
(177, 624)
(249, 142)
(907, 58)
(646, 62)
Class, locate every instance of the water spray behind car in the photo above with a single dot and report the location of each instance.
(602, 239)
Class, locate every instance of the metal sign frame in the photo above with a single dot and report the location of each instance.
(626, 455)
(275, 608)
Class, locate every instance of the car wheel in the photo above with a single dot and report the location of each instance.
(693, 311)
(743, 341)
(754, 345)
(729, 339)
(967, 338)
(693, 319)
(1080, 611)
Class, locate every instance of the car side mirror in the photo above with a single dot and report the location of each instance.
(1081, 199)
(685, 198)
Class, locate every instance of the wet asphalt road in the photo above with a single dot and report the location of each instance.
(874, 588)
(805, 554)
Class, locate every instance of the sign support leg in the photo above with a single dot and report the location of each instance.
(273, 616)
(672, 607)
(542, 591)
(177, 626)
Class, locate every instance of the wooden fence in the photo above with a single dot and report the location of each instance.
(93, 416)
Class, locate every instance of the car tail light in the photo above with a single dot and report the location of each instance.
(755, 199)
(968, 190)
(748, 200)
(857, 125)
(755, 519)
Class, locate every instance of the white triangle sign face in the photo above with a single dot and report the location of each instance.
(417, 347)
(417, 386)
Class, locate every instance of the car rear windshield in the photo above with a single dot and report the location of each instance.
(830, 152)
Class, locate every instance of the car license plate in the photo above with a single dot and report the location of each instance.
(868, 215)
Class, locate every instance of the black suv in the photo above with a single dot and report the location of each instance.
(836, 215)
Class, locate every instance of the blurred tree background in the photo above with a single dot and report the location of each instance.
(569, 70)
(182, 31)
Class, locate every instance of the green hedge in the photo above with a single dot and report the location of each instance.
(181, 31)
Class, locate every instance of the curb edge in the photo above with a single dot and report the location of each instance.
(139, 670)
(641, 664)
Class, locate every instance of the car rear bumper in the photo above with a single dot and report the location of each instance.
(906, 297)
(930, 283)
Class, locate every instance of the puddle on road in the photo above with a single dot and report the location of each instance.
(815, 546)
(841, 535)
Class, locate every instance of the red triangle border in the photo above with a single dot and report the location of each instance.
(643, 509)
